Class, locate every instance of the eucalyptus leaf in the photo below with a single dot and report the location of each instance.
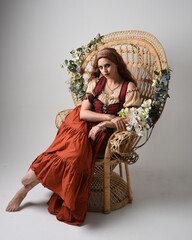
(163, 78)
(167, 76)
(164, 81)
(164, 71)
(156, 73)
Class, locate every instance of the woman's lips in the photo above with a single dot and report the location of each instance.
(107, 74)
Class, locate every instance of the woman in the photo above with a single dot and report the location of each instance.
(67, 166)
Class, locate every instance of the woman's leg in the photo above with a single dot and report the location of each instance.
(29, 181)
(29, 177)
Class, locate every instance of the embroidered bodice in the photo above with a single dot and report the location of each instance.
(104, 103)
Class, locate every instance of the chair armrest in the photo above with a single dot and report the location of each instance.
(121, 146)
(61, 117)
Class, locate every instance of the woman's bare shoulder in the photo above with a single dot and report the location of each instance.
(131, 86)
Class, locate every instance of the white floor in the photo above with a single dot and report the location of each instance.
(161, 209)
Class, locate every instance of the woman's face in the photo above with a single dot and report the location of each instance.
(107, 68)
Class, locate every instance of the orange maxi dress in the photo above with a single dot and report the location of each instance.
(67, 167)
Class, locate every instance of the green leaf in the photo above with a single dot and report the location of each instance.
(164, 71)
(156, 73)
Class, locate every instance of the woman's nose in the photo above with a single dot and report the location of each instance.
(105, 69)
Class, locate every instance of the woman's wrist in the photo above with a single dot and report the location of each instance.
(102, 125)
(110, 117)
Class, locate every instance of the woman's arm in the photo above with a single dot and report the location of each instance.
(87, 115)
(117, 122)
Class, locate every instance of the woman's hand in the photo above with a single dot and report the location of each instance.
(94, 130)
(119, 123)
(127, 119)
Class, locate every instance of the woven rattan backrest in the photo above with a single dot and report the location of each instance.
(142, 53)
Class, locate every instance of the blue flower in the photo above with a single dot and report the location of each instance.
(78, 69)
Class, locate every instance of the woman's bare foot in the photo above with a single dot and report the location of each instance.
(29, 178)
(15, 203)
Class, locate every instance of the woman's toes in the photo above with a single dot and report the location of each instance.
(15, 203)
(12, 208)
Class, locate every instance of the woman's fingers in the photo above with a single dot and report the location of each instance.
(120, 125)
(93, 137)
(90, 134)
(93, 132)
(123, 125)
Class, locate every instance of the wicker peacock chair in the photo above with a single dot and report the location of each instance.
(142, 53)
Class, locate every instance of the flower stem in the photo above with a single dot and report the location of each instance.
(147, 138)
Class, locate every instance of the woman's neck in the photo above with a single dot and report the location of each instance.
(114, 81)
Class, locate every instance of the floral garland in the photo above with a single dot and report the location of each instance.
(144, 117)
(78, 85)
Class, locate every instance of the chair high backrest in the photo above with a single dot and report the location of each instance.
(142, 53)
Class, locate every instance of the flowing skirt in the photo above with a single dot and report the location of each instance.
(67, 168)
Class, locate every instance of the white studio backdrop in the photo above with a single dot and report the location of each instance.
(35, 39)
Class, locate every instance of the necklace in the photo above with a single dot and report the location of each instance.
(112, 90)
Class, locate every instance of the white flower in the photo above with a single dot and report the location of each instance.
(133, 109)
(73, 55)
(129, 127)
(154, 83)
(76, 58)
(138, 117)
(146, 103)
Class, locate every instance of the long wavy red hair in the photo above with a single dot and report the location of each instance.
(116, 58)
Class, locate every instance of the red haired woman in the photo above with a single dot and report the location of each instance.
(67, 166)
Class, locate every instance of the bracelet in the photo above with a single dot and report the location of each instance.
(102, 125)
(110, 117)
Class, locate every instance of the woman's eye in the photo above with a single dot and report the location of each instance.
(106, 66)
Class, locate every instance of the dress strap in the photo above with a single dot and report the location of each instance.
(99, 86)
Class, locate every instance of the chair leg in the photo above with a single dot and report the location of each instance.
(120, 170)
(128, 183)
(107, 207)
